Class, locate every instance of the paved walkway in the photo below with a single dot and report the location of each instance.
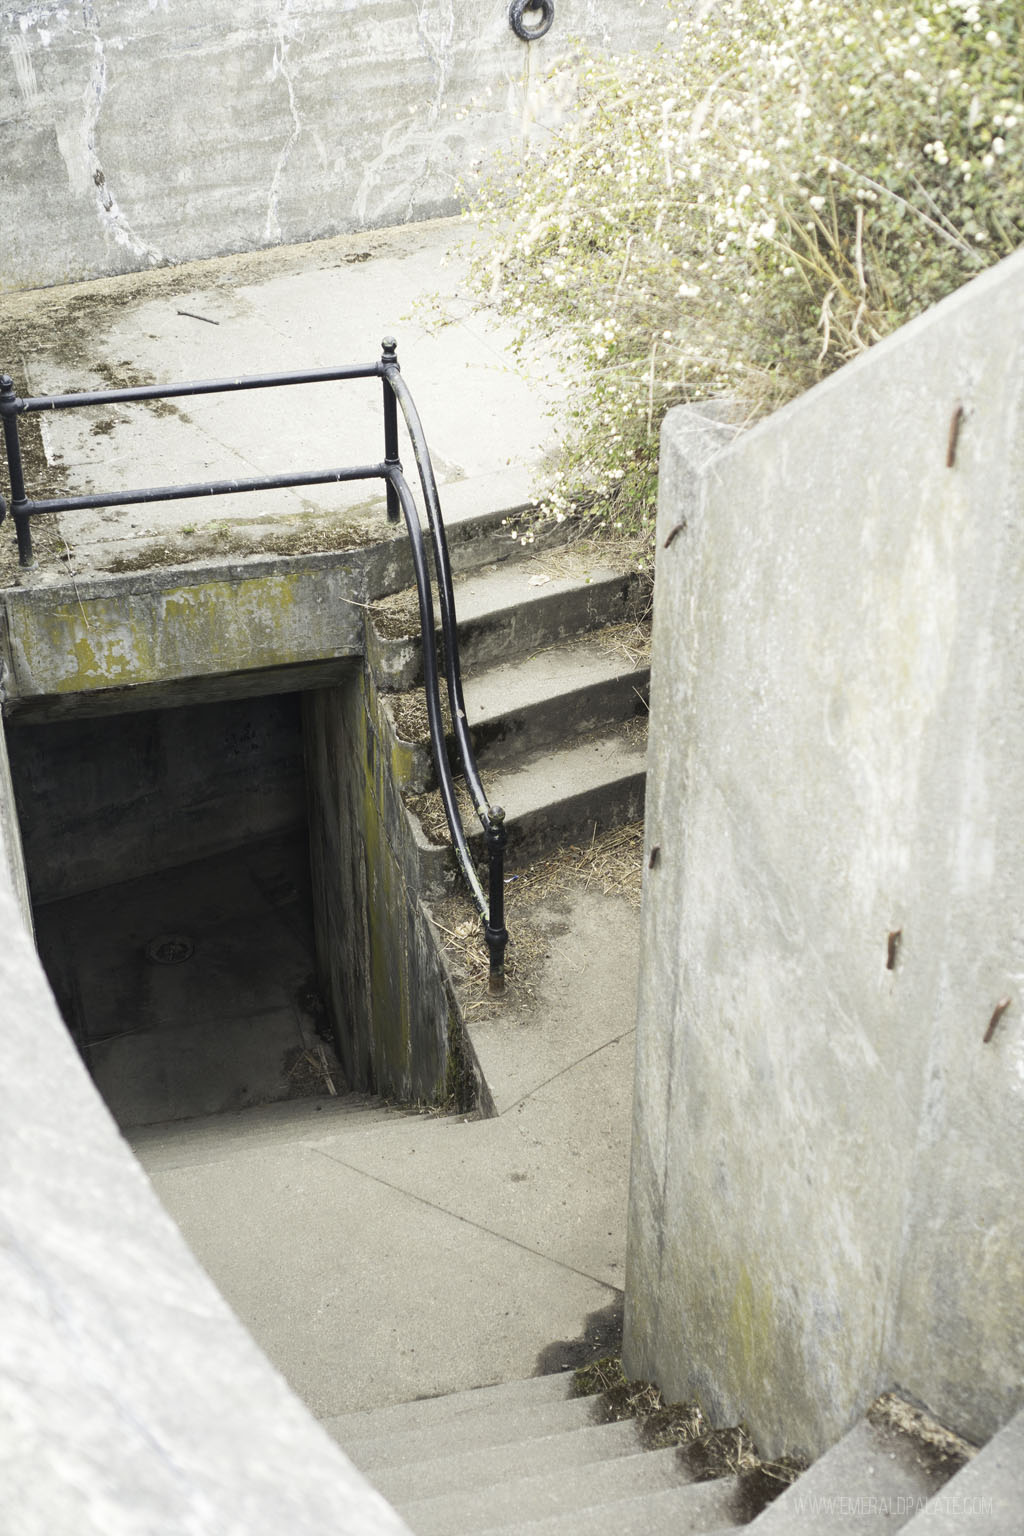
(380, 1259)
(485, 409)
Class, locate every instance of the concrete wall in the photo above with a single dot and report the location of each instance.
(113, 798)
(131, 1398)
(137, 132)
(397, 1029)
(829, 1130)
(10, 838)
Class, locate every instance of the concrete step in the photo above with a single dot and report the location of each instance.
(699, 1509)
(874, 1479)
(215, 1138)
(558, 797)
(462, 1470)
(527, 705)
(554, 798)
(985, 1495)
(507, 609)
(484, 519)
(476, 1432)
(548, 1494)
(423, 1412)
(519, 707)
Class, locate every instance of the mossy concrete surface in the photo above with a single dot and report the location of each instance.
(398, 1030)
(70, 641)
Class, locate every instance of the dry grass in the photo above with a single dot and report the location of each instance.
(710, 1453)
(630, 640)
(311, 1074)
(940, 1446)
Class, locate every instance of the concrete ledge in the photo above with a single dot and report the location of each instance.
(202, 621)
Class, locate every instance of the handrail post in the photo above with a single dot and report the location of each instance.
(495, 932)
(9, 405)
(389, 358)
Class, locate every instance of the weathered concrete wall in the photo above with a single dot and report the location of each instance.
(397, 1031)
(829, 1131)
(138, 132)
(113, 643)
(10, 836)
(131, 1398)
(113, 798)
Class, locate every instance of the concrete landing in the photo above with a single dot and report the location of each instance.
(424, 1255)
(485, 410)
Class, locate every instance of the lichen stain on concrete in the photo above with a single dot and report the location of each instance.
(389, 996)
(188, 631)
(249, 623)
(81, 648)
(751, 1329)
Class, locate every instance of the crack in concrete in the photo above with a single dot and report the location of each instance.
(618, 1039)
(467, 1221)
(439, 48)
(402, 142)
(77, 143)
(279, 66)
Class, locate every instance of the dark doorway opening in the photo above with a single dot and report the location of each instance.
(168, 860)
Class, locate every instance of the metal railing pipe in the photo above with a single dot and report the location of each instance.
(199, 387)
(492, 819)
(12, 444)
(144, 496)
(446, 595)
(400, 501)
(389, 349)
(431, 688)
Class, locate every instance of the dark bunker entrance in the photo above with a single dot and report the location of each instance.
(168, 859)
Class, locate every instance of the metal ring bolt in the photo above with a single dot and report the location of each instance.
(515, 18)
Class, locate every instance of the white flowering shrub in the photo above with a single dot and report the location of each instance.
(782, 184)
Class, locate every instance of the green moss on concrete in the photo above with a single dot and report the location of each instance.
(750, 1337)
(81, 644)
(386, 928)
(459, 1092)
(403, 761)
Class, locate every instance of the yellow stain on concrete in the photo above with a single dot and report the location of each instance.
(189, 631)
(751, 1331)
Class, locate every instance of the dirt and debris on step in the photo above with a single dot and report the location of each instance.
(708, 1452)
(611, 862)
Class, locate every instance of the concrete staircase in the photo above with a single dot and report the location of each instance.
(556, 690)
(526, 1459)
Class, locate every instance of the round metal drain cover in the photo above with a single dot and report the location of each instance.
(170, 949)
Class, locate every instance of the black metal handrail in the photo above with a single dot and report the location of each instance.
(400, 502)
